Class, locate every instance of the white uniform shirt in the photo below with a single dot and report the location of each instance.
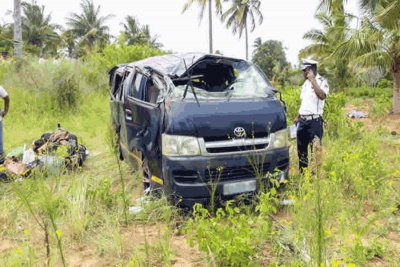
(3, 92)
(310, 103)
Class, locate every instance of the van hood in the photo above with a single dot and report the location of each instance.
(217, 120)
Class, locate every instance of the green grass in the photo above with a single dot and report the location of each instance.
(347, 213)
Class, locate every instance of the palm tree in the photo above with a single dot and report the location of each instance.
(6, 37)
(238, 15)
(151, 41)
(376, 42)
(17, 29)
(202, 4)
(131, 29)
(37, 28)
(335, 28)
(137, 34)
(69, 42)
(89, 26)
(257, 44)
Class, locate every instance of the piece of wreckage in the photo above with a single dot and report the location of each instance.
(54, 151)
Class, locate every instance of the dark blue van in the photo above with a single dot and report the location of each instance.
(187, 120)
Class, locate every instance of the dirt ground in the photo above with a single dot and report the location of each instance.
(389, 122)
(185, 256)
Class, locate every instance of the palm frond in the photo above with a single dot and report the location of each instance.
(375, 58)
(315, 35)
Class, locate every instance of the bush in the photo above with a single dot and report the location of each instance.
(66, 88)
(384, 84)
(95, 71)
(369, 92)
(227, 236)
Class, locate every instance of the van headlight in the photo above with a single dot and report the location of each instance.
(176, 145)
(280, 139)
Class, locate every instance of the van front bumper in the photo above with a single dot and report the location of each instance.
(189, 178)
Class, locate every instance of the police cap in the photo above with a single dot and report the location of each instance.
(307, 63)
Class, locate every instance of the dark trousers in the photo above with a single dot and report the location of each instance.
(306, 131)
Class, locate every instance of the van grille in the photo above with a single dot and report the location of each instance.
(227, 173)
(234, 173)
(225, 137)
(236, 148)
(185, 176)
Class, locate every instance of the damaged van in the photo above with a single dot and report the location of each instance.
(188, 120)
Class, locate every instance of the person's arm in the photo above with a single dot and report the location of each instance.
(318, 91)
(296, 120)
(6, 105)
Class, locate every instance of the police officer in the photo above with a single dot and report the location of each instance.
(309, 120)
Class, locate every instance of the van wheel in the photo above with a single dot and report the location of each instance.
(146, 175)
(121, 157)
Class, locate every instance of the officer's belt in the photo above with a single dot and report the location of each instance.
(309, 117)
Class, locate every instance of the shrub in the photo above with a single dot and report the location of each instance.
(227, 236)
(66, 88)
(384, 84)
(97, 66)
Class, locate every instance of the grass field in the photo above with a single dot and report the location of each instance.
(345, 215)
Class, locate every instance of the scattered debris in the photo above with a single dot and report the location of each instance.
(293, 131)
(141, 202)
(287, 202)
(356, 114)
(54, 151)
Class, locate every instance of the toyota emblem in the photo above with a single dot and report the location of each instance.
(239, 132)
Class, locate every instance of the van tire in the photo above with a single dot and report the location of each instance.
(146, 174)
(121, 157)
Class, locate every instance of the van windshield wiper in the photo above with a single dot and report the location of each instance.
(229, 93)
(190, 82)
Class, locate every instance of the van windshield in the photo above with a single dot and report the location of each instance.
(239, 80)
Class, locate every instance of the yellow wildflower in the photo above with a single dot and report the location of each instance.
(59, 233)
(328, 232)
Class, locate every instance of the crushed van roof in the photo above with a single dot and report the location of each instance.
(174, 64)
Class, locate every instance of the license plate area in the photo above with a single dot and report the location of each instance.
(239, 187)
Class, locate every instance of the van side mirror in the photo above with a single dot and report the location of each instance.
(283, 102)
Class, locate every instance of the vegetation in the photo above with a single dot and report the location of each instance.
(344, 213)
(82, 217)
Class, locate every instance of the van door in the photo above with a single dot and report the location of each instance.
(130, 120)
(148, 117)
(146, 138)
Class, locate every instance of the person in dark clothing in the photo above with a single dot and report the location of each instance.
(309, 119)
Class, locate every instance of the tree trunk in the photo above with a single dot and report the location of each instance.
(90, 44)
(396, 99)
(210, 25)
(17, 29)
(247, 42)
(396, 84)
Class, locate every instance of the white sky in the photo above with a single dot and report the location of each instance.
(284, 20)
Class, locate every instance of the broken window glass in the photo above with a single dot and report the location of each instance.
(213, 80)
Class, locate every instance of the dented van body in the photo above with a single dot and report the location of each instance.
(188, 119)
